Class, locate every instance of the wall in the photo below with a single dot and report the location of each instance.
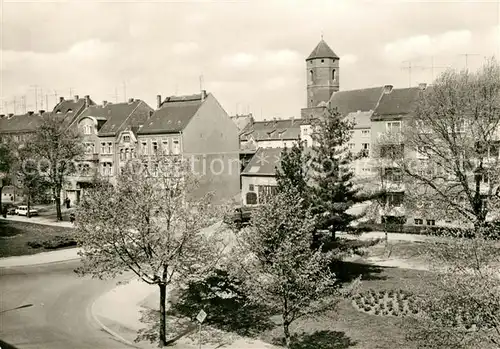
(255, 180)
(276, 143)
(322, 86)
(213, 139)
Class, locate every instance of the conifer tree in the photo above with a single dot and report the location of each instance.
(333, 191)
(292, 174)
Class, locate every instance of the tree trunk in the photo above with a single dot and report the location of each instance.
(29, 205)
(1, 208)
(286, 330)
(57, 194)
(163, 316)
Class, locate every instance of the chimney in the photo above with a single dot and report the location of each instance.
(388, 89)
(77, 98)
(104, 103)
(131, 100)
(61, 99)
(293, 120)
(203, 95)
(87, 101)
(422, 86)
(41, 112)
(158, 101)
(10, 115)
(30, 112)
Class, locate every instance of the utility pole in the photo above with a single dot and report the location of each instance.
(467, 55)
(14, 103)
(201, 82)
(116, 94)
(56, 97)
(23, 103)
(410, 67)
(41, 98)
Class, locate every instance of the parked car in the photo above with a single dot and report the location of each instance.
(23, 211)
(240, 216)
(9, 208)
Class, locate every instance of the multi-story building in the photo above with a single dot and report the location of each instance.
(199, 129)
(101, 127)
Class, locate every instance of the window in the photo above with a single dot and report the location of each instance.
(251, 187)
(351, 146)
(132, 153)
(144, 148)
(418, 221)
(394, 199)
(127, 154)
(365, 150)
(155, 147)
(103, 148)
(110, 148)
(122, 154)
(165, 148)
(266, 191)
(322, 61)
(311, 77)
(365, 132)
(392, 151)
(126, 139)
(155, 170)
(393, 126)
(176, 147)
(431, 222)
(89, 148)
(251, 198)
(333, 75)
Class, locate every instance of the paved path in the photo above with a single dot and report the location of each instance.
(40, 258)
(39, 220)
(60, 316)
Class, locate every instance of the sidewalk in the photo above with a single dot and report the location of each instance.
(40, 258)
(119, 310)
(39, 220)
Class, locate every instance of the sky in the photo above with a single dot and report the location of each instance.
(249, 54)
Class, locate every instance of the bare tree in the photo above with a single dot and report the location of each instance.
(454, 138)
(150, 224)
(57, 147)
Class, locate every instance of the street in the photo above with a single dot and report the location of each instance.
(56, 312)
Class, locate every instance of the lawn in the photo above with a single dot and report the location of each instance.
(350, 328)
(15, 236)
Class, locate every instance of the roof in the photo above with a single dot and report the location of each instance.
(173, 115)
(322, 50)
(20, 123)
(361, 119)
(75, 105)
(264, 162)
(277, 129)
(115, 116)
(399, 101)
(351, 101)
(242, 121)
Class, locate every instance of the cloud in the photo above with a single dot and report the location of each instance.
(348, 59)
(425, 45)
(240, 59)
(282, 57)
(182, 48)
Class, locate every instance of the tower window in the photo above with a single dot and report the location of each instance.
(333, 74)
(322, 61)
(311, 76)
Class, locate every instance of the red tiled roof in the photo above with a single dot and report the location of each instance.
(364, 100)
(322, 50)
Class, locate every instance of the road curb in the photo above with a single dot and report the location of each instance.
(108, 330)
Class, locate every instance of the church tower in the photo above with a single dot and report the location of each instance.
(322, 67)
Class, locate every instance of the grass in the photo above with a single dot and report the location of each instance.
(353, 329)
(15, 236)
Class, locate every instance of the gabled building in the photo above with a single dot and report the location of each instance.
(102, 127)
(243, 120)
(199, 129)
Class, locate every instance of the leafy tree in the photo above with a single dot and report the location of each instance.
(29, 179)
(333, 191)
(291, 278)
(57, 147)
(292, 175)
(461, 307)
(7, 160)
(150, 224)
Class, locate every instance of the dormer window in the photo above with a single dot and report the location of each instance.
(87, 129)
(126, 139)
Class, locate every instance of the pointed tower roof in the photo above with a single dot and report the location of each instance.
(322, 50)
